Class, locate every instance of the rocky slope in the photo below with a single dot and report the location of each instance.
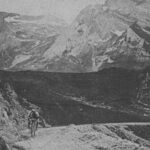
(115, 34)
(13, 115)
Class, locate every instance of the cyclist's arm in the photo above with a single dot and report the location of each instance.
(29, 115)
(37, 114)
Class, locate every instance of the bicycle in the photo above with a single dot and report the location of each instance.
(33, 126)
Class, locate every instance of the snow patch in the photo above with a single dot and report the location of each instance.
(11, 19)
(20, 58)
(118, 33)
(100, 60)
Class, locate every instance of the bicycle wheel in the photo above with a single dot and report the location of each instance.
(33, 127)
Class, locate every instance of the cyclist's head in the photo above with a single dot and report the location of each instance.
(33, 110)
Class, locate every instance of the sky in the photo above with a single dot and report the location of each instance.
(66, 9)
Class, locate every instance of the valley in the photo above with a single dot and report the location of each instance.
(89, 80)
(82, 98)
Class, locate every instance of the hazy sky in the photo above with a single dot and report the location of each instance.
(67, 9)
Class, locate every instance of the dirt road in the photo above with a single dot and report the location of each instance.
(122, 136)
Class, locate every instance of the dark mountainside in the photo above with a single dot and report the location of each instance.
(107, 96)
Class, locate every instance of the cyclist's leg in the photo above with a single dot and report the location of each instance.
(29, 123)
(32, 127)
(37, 123)
(35, 127)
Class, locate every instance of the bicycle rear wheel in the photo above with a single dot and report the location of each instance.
(33, 127)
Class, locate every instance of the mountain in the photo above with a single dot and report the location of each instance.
(104, 36)
(115, 34)
(24, 39)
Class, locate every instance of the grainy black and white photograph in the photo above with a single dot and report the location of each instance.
(74, 74)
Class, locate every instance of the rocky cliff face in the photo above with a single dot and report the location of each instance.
(12, 115)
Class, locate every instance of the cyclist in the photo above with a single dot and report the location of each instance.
(33, 115)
